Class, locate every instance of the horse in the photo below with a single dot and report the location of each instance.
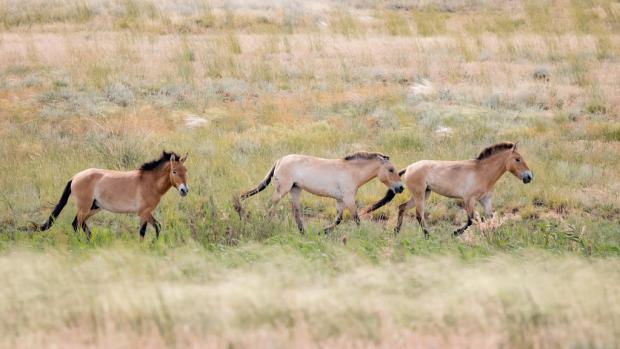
(138, 191)
(335, 178)
(469, 180)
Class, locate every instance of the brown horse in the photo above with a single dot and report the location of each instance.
(469, 180)
(137, 191)
(334, 178)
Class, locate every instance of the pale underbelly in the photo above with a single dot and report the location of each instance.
(447, 192)
(118, 206)
(324, 193)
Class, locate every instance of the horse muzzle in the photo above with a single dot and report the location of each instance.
(183, 190)
(398, 188)
(527, 176)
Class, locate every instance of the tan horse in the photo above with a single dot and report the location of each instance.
(334, 178)
(469, 180)
(137, 191)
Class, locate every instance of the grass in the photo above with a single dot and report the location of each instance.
(109, 85)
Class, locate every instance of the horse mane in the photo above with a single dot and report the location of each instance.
(154, 164)
(364, 155)
(494, 149)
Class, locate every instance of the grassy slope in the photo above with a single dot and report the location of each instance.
(89, 84)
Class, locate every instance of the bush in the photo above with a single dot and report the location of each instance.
(120, 94)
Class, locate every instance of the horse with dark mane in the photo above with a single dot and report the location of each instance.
(138, 191)
(469, 180)
(334, 178)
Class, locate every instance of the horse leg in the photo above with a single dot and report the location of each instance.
(419, 212)
(485, 201)
(90, 214)
(80, 221)
(470, 204)
(339, 210)
(155, 225)
(281, 190)
(295, 196)
(143, 225)
(402, 208)
(349, 203)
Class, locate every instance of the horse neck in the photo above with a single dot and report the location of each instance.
(364, 170)
(493, 167)
(159, 179)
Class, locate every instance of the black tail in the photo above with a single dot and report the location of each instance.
(59, 206)
(262, 184)
(402, 172)
(387, 198)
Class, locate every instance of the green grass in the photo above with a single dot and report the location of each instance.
(110, 87)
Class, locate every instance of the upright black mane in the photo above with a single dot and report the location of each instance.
(154, 164)
(364, 155)
(495, 148)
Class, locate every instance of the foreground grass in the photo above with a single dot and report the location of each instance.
(280, 295)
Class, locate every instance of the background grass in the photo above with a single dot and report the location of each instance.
(238, 85)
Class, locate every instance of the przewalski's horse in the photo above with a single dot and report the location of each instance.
(469, 180)
(137, 191)
(334, 178)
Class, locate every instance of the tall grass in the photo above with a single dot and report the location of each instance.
(279, 294)
(115, 85)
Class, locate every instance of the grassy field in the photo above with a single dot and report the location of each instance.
(110, 84)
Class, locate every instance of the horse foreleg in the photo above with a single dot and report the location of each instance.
(469, 207)
(152, 221)
(339, 210)
(143, 225)
(295, 197)
(349, 202)
(485, 201)
(147, 218)
(144, 220)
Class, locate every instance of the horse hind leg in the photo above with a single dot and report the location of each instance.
(295, 203)
(418, 199)
(402, 208)
(82, 216)
(281, 189)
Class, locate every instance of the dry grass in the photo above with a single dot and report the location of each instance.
(125, 298)
(239, 84)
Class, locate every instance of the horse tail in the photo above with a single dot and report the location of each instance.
(402, 172)
(262, 184)
(387, 198)
(59, 206)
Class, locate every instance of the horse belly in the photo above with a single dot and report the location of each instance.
(321, 185)
(117, 201)
(453, 186)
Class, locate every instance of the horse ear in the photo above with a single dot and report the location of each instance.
(184, 158)
(173, 157)
(514, 148)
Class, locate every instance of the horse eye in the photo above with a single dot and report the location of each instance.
(518, 160)
(174, 172)
(391, 170)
